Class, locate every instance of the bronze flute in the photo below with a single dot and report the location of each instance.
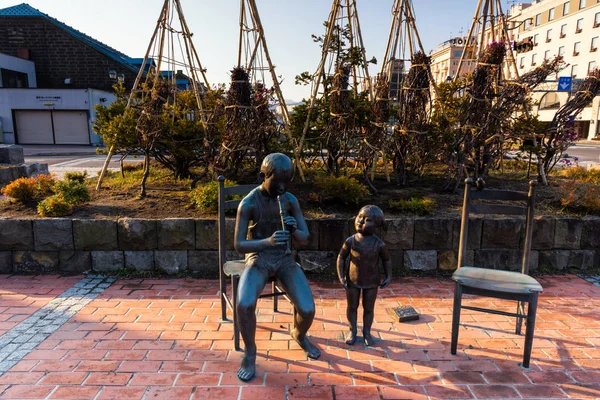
(283, 227)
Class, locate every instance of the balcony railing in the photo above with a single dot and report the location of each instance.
(578, 30)
(563, 35)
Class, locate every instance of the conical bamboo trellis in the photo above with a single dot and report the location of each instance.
(171, 32)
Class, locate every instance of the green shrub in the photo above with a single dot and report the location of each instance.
(53, 206)
(207, 197)
(22, 189)
(414, 205)
(76, 176)
(344, 189)
(73, 192)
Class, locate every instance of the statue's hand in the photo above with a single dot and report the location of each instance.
(279, 238)
(385, 282)
(290, 223)
(344, 283)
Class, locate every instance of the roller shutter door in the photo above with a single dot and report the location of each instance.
(34, 127)
(71, 127)
(52, 127)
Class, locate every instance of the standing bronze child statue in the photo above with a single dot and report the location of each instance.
(260, 235)
(362, 272)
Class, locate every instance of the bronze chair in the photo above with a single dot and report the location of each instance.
(233, 269)
(508, 285)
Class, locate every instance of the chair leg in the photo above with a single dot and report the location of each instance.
(520, 310)
(223, 287)
(531, 314)
(275, 298)
(456, 317)
(236, 325)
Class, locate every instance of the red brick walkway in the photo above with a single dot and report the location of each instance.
(159, 339)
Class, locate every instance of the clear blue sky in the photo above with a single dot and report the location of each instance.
(127, 25)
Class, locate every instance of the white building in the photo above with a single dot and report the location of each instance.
(567, 28)
(30, 115)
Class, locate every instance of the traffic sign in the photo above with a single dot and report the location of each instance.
(565, 83)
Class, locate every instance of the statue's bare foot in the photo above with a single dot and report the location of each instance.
(351, 338)
(311, 350)
(247, 368)
(369, 340)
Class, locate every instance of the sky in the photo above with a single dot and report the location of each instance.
(127, 25)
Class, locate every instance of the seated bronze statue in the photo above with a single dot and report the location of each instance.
(260, 235)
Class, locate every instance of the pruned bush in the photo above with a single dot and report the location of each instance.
(76, 176)
(22, 189)
(44, 185)
(344, 189)
(73, 192)
(414, 205)
(54, 206)
(207, 197)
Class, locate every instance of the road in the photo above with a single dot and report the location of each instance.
(59, 164)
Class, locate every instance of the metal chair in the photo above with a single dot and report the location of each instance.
(506, 285)
(233, 269)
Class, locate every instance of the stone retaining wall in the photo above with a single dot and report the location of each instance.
(73, 246)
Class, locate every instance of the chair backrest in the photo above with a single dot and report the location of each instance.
(227, 203)
(502, 196)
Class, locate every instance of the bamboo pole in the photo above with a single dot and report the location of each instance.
(468, 44)
(363, 51)
(319, 73)
(242, 15)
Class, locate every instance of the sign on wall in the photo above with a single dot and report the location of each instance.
(48, 99)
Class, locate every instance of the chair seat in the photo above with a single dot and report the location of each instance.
(234, 267)
(500, 281)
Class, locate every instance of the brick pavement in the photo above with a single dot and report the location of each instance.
(163, 339)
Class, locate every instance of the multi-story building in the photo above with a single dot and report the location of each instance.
(553, 27)
(567, 28)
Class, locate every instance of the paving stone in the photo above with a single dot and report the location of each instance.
(137, 234)
(504, 259)
(399, 234)
(176, 234)
(543, 232)
(313, 240)
(433, 233)
(6, 264)
(16, 234)
(74, 262)
(568, 233)
(96, 234)
(317, 260)
(397, 257)
(332, 234)
(35, 262)
(473, 234)
(447, 260)
(171, 262)
(139, 260)
(420, 260)
(503, 233)
(11, 154)
(204, 263)
(590, 236)
(53, 234)
(107, 261)
(207, 234)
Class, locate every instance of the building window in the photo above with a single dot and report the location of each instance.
(576, 48)
(574, 70)
(13, 79)
(551, 14)
(547, 55)
(561, 51)
(527, 24)
(538, 19)
(591, 67)
(563, 31)
(533, 59)
(550, 101)
(522, 62)
(581, 4)
(536, 39)
(566, 8)
(548, 35)
(597, 20)
(594, 45)
(579, 26)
